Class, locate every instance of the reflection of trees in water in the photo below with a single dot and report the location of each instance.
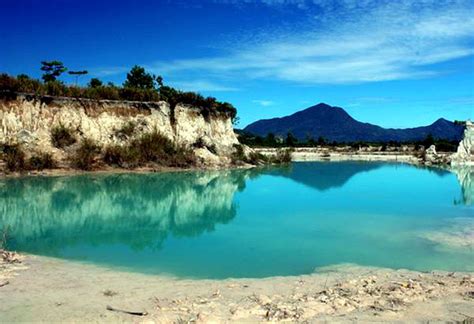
(137, 210)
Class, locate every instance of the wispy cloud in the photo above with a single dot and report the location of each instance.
(201, 85)
(263, 103)
(361, 43)
(108, 71)
(344, 41)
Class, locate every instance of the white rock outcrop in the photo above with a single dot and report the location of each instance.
(29, 121)
(465, 152)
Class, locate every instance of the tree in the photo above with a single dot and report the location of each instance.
(94, 83)
(159, 80)
(77, 74)
(428, 141)
(291, 140)
(321, 141)
(269, 140)
(52, 70)
(138, 78)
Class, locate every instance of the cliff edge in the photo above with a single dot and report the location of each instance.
(29, 121)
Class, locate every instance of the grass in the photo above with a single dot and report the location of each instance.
(282, 156)
(85, 155)
(61, 136)
(41, 161)
(126, 131)
(14, 157)
(16, 161)
(149, 148)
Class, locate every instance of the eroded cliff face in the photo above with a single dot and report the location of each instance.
(28, 121)
(465, 152)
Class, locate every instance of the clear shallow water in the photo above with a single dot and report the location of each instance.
(247, 223)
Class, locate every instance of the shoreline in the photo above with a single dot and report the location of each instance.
(48, 289)
(299, 155)
(60, 172)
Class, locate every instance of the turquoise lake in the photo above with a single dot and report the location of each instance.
(248, 223)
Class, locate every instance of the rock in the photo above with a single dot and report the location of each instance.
(431, 150)
(25, 137)
(465, 152)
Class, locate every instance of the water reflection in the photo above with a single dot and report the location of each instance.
(138, 210)
(278, 221)
(465, 177)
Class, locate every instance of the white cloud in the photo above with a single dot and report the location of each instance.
(361, 43)
(344, 41)
(263, 103)
(201, 85)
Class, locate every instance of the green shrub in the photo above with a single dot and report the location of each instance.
(8, 83)
(256, 158)
(28, 85)
(238, 155)
(55, 88)
(14, 157)
(282, 156)
(41, 161)
(154, 147)
(149, 148)
(135, 94)
(126, 130)
(85, 155)
(122, 156)
(200, 143)
(61, 136)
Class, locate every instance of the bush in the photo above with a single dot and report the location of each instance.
(126, 130)
(85, 155)
(8, 83)
(14, 157)
(238, 155)
(200, 143)
(56, 88)
(149, 148)
(154, 147)
(28, 85)
(122, 156)
(135, 94)
(61, 136)
(282, 156)
(41, 161)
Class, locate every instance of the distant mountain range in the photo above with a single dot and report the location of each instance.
(335, 124)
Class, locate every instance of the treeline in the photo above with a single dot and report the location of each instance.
(138, 86)
(291, 141)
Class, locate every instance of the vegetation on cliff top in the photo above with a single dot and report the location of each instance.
(138, 86)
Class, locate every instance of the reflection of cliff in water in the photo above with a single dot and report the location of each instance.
(465, 177)
(138, 210)
(325, 175)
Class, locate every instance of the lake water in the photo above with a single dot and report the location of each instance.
(247, 223)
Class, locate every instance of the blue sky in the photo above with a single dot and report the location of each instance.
(392, 63)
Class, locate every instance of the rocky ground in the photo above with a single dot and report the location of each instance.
(44, 289)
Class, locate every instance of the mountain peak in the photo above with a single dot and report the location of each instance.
(335, 124)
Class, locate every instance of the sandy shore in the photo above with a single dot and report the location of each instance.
(45, 290)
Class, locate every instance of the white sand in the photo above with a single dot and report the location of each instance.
(56, 290)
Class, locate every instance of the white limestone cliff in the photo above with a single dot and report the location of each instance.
(465, 152)
(28, 121)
